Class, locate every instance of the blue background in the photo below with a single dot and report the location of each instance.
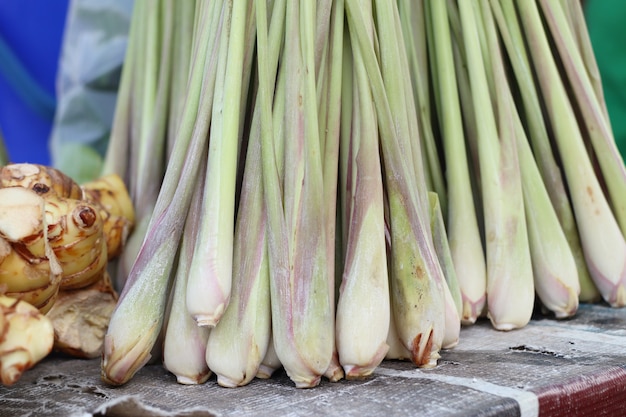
(33, 32)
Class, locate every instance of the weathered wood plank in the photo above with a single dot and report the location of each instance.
(547, 368)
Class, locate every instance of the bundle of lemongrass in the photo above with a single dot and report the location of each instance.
(321, 185)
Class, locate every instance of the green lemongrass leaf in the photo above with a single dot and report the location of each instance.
(466, 248)
(363, 309)
(513, 39)
(602, 240)
(210, 277)
(240, 340)
(598, 125)
(510, 290)
(138, 317)
(415, 270)
(184, 343)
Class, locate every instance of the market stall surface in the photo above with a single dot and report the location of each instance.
(554, 368)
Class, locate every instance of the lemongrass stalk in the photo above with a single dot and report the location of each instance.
(148, 149)
(465, 98)
(363, 309)
(466, 247)
(579, 28)
(469, 119)
(412, 18)
(347, 104)
(239, 341)
(417, 296)
(602, 240)
(116, 159)
(210, 275)
(270, 362)
(151, 73)
(312, 320)
(323, 11)
(137, 320)
(184, 343)
(554, 268)
(329, 84)
(442, 248)
(329, 109)
(452, 291)
(301, 319)
(184, 15)
(396, 350)
(550, 170)
(510, 289)
(144, 214)
(593, 113)
(395, 71)
(387, 16)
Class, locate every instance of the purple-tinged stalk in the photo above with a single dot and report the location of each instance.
(510, 289)
(185, 342)
(593, 112)
(239, 341)
(514, 42)
(363, 309)
(329, 115)
(466, 247)
(417, 296)
(302, 323)
(603, 243)
(553, 265)
(210, 275)
(138, 317)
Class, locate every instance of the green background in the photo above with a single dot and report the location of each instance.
(606, 22)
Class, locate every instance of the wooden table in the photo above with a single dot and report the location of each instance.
(551, 368)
